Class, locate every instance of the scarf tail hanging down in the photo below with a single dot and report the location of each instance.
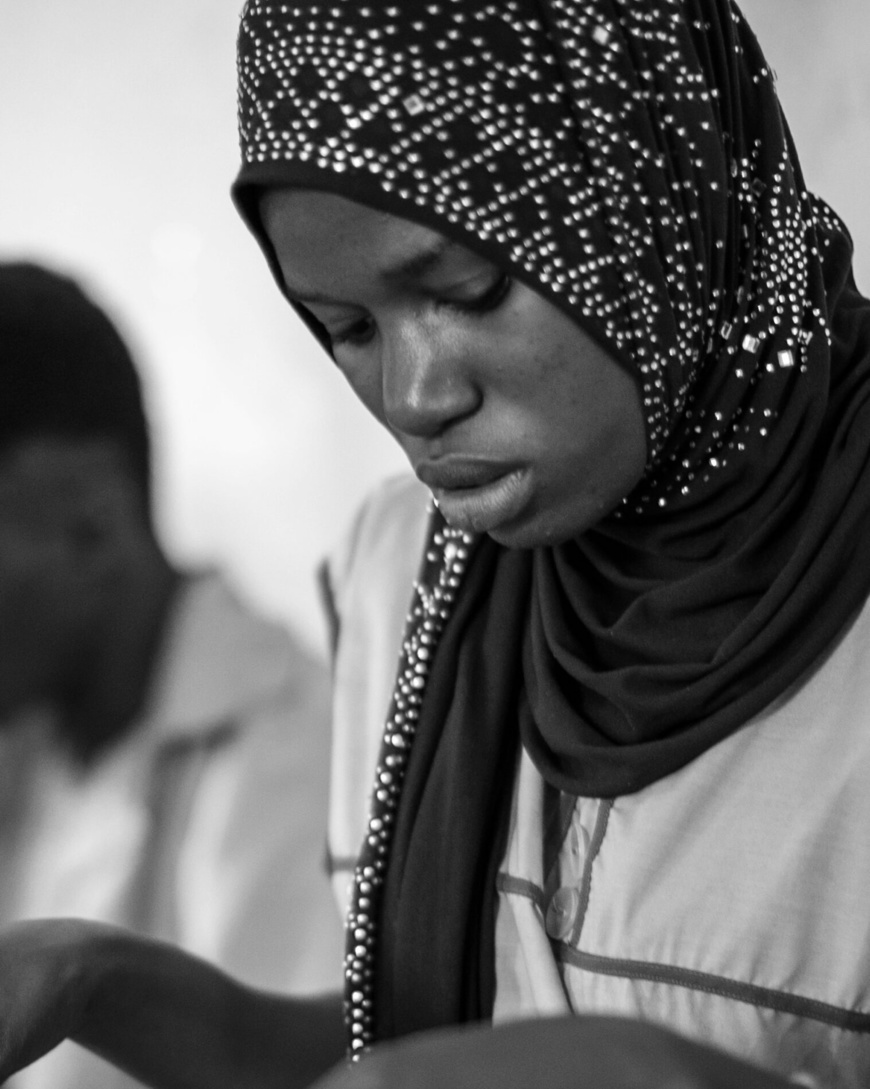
(629, 161)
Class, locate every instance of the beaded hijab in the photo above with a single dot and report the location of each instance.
(627, 159)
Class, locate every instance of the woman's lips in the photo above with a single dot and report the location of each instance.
(477, 497)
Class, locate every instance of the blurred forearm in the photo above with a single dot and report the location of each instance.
(175, 1022)
(168, 1018)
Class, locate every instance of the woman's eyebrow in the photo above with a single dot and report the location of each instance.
(413, 266)
(421, 262)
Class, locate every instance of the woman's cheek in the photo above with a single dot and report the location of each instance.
(365, 381)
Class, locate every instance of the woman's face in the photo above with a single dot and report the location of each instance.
(520, 424)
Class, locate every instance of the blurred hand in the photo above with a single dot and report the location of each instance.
(166, 1017)
(563, 1053)
(42, 991)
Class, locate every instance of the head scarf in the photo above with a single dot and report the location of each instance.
(628, 159)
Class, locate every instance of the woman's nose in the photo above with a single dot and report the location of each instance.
(427, 383)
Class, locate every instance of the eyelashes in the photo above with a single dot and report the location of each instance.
(353, 335)
(490, 299)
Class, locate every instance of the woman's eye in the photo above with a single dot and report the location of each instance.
(357, 333)
(488, 299)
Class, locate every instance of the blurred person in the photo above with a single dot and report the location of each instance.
(163, 750)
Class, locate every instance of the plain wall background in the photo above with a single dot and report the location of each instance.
(117, 149)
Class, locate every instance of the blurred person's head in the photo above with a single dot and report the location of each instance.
(83, 582)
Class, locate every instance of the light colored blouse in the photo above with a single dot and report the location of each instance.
(729, 901)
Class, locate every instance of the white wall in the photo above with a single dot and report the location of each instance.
(117, 148)
(820, 52)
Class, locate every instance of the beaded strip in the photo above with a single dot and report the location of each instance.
(434, 594)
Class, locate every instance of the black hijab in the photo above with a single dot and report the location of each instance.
(629, 160)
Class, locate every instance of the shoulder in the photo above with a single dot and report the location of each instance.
(369, 582)
(391, 519)
(382, 547)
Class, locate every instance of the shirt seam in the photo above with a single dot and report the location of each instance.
(520, 886)
(753, 994)
(598, 834)
(780, 1001)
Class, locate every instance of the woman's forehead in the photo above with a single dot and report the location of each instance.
(297, 209)
(316, 235)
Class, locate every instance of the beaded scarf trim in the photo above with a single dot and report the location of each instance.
(434, 594)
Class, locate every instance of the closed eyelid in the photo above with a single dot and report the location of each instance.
(465, 268)
(415, 267)
(480, 291)
(464, 281)
(440, 266)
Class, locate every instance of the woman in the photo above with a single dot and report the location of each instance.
(564, 252)
(582, 283)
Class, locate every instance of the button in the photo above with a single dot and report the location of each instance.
(562, 913)
(579, 840)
